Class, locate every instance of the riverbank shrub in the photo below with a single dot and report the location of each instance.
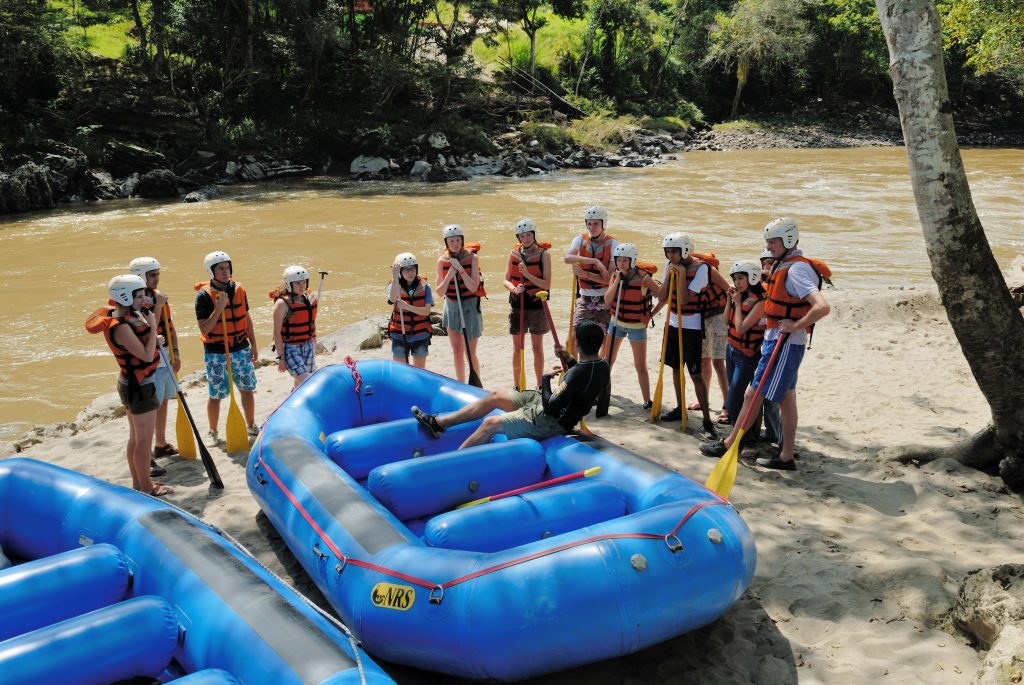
(603, 130)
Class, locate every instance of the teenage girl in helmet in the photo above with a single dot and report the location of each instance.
(590, 255)
(631, 310)
(295, 325)
(222, 295)
(458, 276)
(744, 317)
(131, 333)
(528, 272)
(412, 300)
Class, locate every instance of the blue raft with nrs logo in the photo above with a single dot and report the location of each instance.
(584, 570)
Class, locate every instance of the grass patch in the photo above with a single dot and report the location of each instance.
(739, 125)
(104, 40)
(558, 37)
(603, 131)
(669, 124)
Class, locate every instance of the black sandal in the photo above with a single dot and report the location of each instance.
(428, 421)
(776, 463)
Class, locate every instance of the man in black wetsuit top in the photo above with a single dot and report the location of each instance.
(536, 414)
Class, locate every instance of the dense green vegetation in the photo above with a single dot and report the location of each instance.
(334, 75)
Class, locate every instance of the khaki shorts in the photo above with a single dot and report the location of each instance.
(534, 319)
(142, 402)
(527, 418)
(714, 337)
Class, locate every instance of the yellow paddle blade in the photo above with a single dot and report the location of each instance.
(237, 438)
(522, 369)
(183, 432)
(723, 476)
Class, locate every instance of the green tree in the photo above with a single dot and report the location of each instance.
(991, 32)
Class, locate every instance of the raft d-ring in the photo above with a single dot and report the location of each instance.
(436, 594)
(259, 479)
(342, 563)
(674, 544)
(316, 551)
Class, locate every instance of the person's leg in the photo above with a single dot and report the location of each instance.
(773, 423)
(472, 355)
(130, 452)
(420, 362)
(640, 364)
(488, 428)
(537, 343)
(616, 344)
(213, 413)
(495, 399)
(787, 409)
(705, 372)
(248, 398)
(723, 379)
(701, 390)
(733, 369)
(216, 386)
(144, 425)
(458, 351)
(161, 425)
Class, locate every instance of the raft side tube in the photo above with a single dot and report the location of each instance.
(39, 593)
(209, 676)
(525, 518)
(133, 638)
(410, 489)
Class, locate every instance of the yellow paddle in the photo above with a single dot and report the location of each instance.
(660, 387)
(236, 437)
(182, 429)
(570, 339)
(682, 364)
(723, 476)
(522, 341)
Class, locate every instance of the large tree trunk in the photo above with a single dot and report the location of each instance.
(987, 325)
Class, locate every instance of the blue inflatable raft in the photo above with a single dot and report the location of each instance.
(587, 570)
(101, 584)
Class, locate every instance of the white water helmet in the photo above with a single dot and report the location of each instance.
(140, 266)
(784, 228)
(626, 250)
(295, 273)
(680, 241)
(406, 260)
(767, 254)
(214, 258)
(122, 288)
(525, 225)
(751, 269)
(596, 213)
(452, 231)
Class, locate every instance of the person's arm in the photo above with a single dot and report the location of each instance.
(513, 263)
(572, 255)
(555, 402)
(176, 365)
(444, 278)
(544, 280)
(127, 339)
(613, 288)
(280, 312)
(820, 308)
(756, 314)
(395, 287)
(471, 279)
(208, 323)
(250, 331)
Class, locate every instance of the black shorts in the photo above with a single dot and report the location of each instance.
(693, 346)
(143, 401)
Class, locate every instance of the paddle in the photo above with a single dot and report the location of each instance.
(572, 317)
(474, 379)
(543, 295)
(405, 340)
(536, 486)
(682, 363)
(208, 463)
(606, 395)
(320, 287)
(182, 432)
(236, 437)
(659, 388)
(723, 476)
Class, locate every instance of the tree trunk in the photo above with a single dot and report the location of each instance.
(986, 323)
(353, 32)
(141, 28)
(742, 69)
(533, 59)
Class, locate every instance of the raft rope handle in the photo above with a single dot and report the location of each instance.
(351, 364)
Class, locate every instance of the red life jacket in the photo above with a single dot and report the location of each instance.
(600, 249)
(415, 324)
(637, 302)
(781, 305)
(300, 322)
(748, 343)
(466, 260)
(133, 369)
(235, 313)
(534, 265)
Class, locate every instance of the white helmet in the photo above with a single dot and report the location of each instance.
(525, 225)
(122, 288)
(214, 258)
(626, 250)
(295, 273)
(140, 266)
(767, 254)
(678, 240)
(784, 228)
(596, 213)
(751, 269)
(406, 259)
(452, 231)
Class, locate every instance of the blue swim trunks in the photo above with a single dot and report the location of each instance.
(242, 372)
(783, 375)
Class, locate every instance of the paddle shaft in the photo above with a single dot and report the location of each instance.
(572, 316)
(522, 326)
(474, 379)
(405, 339)
(606, 395)
(320, 287)
(551, 327)
(659, 388)
(536, 486)
(208, 463)
(748, 416)
(678, 297)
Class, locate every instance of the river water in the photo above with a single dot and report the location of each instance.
(854, 207)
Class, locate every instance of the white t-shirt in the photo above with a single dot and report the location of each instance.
(698, 283)
(801, 280)
(574, 249)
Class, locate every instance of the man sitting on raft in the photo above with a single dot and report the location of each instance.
(536, 414)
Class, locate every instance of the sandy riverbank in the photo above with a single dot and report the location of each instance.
(859, 560)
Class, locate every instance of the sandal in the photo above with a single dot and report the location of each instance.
(167, 450)
(693, 406)
(648, 404)
(159, 490)
(428, 421)
(776, 463)
(713, 449)
(723, 417)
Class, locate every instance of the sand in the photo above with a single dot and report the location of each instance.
(859, 559)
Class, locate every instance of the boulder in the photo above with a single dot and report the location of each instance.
(368, 165)
(130, 185)
(988, 600)
(1004, 662)
(285, 169)
(438, 141)
(420, 168)
(442, 174)
(199, 159)
(202, 195)
(362, 335)
(99, 185)
(125, 158)
(38, 189)
(251, 171)
(231, 168)
(158, 183)
(12, 195)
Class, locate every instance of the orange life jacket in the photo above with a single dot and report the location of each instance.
(166, 331)
(716, 293)
(467, 263)
(415, 324)
(781, 305)
(600, 249)
(300, 322)
(133, 369)
(637, 302)
(235, 313)
(704, 302)
(748, 343)
(534, 265)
